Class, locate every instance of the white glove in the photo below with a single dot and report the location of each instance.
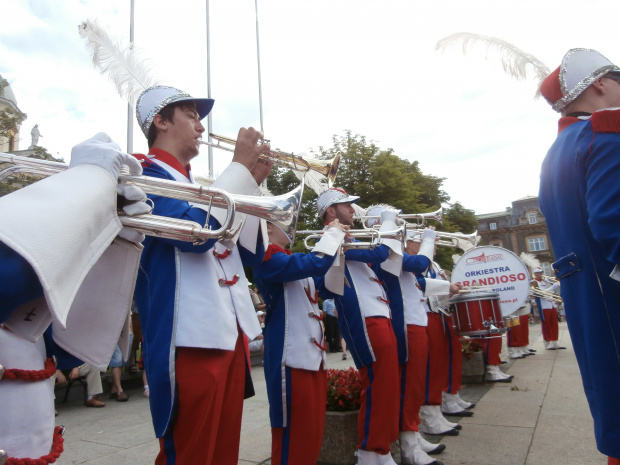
(429, 234)
(388, 214)
(102, 151)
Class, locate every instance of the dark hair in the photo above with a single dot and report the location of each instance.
(167, 114)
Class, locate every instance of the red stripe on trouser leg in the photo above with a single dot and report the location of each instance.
(613, 461)
(307, 419)
(207, 381)
(518, 336)
(455, 360)
(438, 358)
(492, 349)
(377, 423)
(550, 328)
(412, 396)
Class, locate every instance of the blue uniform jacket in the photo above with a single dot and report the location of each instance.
(269, 277)
(155, 297)
(411, 263)
(350, 315)
(580, 199)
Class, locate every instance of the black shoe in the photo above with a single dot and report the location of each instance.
(560, 347)
(437, 450)
(532, 350)
(503, 362)
(462, 413)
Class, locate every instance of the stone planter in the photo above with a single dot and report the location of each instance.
(339, 439)
(473, 369)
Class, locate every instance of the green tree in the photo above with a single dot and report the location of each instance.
(9, 119)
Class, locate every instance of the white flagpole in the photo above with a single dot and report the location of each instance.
(209, 117)
(129, 107)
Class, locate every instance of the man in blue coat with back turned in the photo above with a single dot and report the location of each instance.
(580, 198)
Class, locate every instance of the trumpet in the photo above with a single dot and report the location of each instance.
(282, 211)
(327, 168)
(447, 239)
(437, 215)
(376, 237)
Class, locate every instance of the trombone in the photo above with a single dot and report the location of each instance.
(536, 292)
(282, 210)
(327, 168)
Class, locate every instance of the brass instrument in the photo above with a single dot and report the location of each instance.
(447, 239)
(437, 215)
(282, 211)
(327, 168)
(376, 237)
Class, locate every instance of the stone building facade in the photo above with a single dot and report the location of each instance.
(520, 228)
(9, 103)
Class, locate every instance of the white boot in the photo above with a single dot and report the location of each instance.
(496, 375)
(529, 349)
(368, 457)
(449, 424)
(463, 403)
(515, 352)
(433, 421)
(410, 451)
(429, 447)
(556, 345)
(526, 352)
(548, 345)
(450, 406)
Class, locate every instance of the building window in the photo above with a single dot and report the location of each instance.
(531, 217)
(537, 243)
(496, 243)
(492, 226)
(546, 269)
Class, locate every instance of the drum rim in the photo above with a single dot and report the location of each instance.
(483, 295)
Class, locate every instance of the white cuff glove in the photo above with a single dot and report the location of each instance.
(102, 151)
(428, 243)
(388, 215)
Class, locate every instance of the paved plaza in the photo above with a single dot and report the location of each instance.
(541, 418)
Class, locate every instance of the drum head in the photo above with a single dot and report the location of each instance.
(498, 269)
(482, 295)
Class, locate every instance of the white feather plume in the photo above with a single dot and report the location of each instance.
(123, 66)
(315, 181)
(530, 260)
(514, 60)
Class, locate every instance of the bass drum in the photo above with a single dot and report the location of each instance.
(497, 270)
(477, 314)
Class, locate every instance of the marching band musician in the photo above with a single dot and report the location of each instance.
(546, 309)
(70, 269)
(579, 196)
(195, 309)
(441, 371)
(365, 325)
(295, 346)
(409, 322)
(518, 336)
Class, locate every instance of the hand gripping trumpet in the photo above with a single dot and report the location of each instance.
(283, 210)
(327, 168)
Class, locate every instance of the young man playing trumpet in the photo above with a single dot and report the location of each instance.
(364, 319)
(195, 309)
(548, 312)
(409, 322)
(295, 344)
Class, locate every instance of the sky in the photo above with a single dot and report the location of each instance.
(327, 66)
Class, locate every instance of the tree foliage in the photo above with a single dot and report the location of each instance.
(378, 176)
(9, 119)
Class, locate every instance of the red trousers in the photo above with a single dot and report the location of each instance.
(455, 357)
(438, 360)
(300, 442)
(207, 427)
(377, 423)
(492, 348)
(550, 329)
(413, 378)
(519, 336)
